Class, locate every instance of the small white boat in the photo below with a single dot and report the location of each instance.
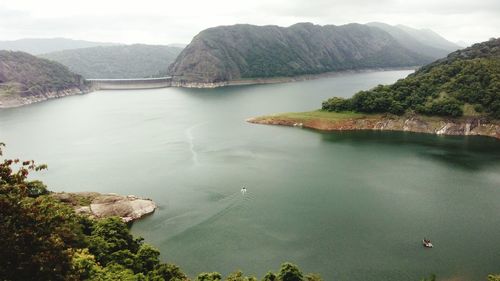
(427, 243)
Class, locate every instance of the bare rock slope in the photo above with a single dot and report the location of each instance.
(96, 205)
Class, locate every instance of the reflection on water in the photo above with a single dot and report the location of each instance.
(470, 152)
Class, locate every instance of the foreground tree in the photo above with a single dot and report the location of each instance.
(37, 233)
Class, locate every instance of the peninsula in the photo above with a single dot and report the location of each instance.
(457, 95)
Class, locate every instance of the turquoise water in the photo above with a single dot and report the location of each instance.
(349, 205)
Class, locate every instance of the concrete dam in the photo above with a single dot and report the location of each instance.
(124, 84)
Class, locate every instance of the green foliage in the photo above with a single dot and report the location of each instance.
(431, 278)
(238, 276)
(442, 107)
(37, 232)
(270, 277)
(209, 276)
(290, 272)
(167, 272)
(337, 104)
(147, 258)
(469, 76)
(494, 277)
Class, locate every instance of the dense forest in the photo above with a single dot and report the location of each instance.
(466, 82)
(44, 239)
(122, 61)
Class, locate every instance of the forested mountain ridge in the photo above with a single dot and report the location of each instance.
(466, 82)
(25, 78)
(123, 61)
(234, 52)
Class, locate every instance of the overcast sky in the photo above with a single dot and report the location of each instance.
(166, 21)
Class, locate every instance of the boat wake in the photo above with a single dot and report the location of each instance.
(189, 136)
(204, 214)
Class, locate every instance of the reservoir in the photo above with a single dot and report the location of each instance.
(347, 205)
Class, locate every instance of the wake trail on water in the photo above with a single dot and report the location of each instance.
(189, 136)
(181, 223)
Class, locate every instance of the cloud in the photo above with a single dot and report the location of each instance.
(160, 21)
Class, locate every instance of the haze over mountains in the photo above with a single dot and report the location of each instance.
(123, 61)
(244, 51)
(228, 53)
(423, 41)
(37, 46)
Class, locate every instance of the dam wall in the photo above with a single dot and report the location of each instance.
(130, 84)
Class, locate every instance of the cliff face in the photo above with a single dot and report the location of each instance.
(26, 79)
(418, 124)
(245, 51)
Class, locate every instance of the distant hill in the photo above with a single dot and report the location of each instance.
(37, 46)
(246, 51)
(429, 37)
(124, 61)
(466, 82)
(25, 79)
(424, 42)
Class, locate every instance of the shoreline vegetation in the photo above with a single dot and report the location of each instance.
(351, 121)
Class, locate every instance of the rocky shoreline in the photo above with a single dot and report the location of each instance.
(96, 205)
(418, 124)
(17, 100)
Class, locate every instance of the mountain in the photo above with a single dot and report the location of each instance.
(124, 61)
(424, 42)
(25, 79)
(466, 82)
(37, 46)
(234, 52)
(430, 38)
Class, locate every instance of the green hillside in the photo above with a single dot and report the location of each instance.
(234, 52)
(123, 61)
(24, 75)
(466, 82)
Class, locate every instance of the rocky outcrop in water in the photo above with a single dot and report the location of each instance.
(96, 205)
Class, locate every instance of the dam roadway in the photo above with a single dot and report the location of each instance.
(134, 83)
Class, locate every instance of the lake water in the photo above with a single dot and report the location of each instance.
(350, 205)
